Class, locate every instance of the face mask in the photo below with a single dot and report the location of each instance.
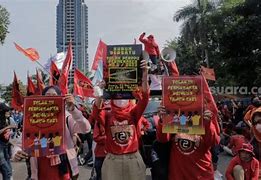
(258, 128)
(121, 103)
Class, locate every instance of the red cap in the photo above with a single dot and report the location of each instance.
(151, 36)
(247, 147)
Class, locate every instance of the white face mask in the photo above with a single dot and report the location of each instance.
(121, 102)
(258, 128)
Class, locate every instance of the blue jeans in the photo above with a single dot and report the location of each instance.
(5, 164)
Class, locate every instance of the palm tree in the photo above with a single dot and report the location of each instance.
(4, 22)
(194, 29)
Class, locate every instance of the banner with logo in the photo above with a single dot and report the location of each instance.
(43, 126)
(183, 99)
(122, 72)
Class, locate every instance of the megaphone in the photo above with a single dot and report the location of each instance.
(168, 54)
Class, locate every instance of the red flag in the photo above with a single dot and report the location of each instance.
(82, 85)
(31, 53)
(208, 73)
(17, 98)
(55, 74)
(40, 83)
(63, 80)
(210, 104)
(30, 86)
(100, 54)
(173, 69)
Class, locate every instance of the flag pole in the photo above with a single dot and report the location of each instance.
(51, 76)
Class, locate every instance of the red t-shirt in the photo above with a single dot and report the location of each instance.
(121, 133)
(251, 168)
(99, 137)
(192, 152)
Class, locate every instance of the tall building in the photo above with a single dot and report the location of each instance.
(72, 25)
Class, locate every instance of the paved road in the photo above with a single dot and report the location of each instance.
(20, 169)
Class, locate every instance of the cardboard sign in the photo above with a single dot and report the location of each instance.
(122, 72)
(43, 126)
(183, 99)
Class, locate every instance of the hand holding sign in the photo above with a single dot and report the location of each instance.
(69, 99)
(161, 112)
(207, 115)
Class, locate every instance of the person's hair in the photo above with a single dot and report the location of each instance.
(56, 88)
(253, 117)
(239, 131)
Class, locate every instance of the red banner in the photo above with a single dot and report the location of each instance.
(183, 99)
(30, 87)
(31, 53)
(55, 74)
(82, 85)
(208, 73)
(43, 126)
(17, 98)
(100, 54)
(63, 80)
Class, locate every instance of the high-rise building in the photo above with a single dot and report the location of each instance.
(72, 25)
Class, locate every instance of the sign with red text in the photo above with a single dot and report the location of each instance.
(43, 126)
(183, 100)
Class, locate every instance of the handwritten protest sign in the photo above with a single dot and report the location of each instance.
(122, 72)
(183, 99)
(43, 126)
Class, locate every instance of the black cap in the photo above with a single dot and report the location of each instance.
(4, 107)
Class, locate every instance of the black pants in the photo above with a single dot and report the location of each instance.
(153, 59)
(98, 166)
(88, 137)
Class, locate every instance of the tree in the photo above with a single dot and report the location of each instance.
(233, 43)
(4, 22)
(194, 28)
(7, 95)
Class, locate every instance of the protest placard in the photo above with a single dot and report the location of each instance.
(183, 99)
(122, 73)
(43, 126)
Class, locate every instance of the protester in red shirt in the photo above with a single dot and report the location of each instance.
(123, 160)
(256, 129)
(192, 152)
(63, 166)
(151, 47)
(235, 142)
(243, 166)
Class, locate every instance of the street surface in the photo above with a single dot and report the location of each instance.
(19, 169)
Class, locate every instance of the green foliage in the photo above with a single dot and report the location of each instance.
(7, 95)
(229, 36)
(4, 22)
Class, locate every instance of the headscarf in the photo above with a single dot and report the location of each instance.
(56, 88)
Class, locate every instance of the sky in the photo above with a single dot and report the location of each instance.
(33, 24)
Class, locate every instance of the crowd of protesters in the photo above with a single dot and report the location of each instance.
(124, 142)
(120, 145)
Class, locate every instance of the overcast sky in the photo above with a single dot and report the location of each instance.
(33, 24)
